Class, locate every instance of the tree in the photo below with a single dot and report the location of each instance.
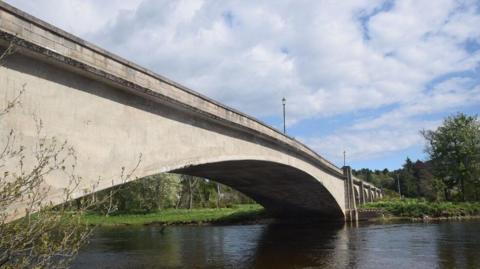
(145, 195)
(47, 236)
(454, 150)
(424, 180)
(408, 184)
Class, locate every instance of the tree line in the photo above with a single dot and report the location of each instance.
(165, 190)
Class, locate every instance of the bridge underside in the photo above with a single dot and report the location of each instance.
(283, 190)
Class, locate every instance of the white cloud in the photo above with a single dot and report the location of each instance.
(369, 144)
(399, 128)
(451, 94)
(327, 58)
(80, 17)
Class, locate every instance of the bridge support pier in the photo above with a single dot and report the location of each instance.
(351, 212)
(362, 193)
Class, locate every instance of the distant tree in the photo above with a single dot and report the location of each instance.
(408, 184)
(189, 191)
(424, 180)
(454, 150)
(144, 195)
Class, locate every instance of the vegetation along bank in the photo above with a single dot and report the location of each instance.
(411, 208)
(236, 214)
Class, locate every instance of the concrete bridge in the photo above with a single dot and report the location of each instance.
(111, 110)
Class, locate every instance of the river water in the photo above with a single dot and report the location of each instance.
(404, 245)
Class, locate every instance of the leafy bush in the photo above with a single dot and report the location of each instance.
(421, 207)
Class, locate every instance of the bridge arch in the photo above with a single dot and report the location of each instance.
(282, 189)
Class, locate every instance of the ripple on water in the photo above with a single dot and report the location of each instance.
(407, 245)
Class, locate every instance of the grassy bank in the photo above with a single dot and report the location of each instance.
(234, 214)
(417, 208)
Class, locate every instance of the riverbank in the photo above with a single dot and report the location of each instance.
(388, 210)
(250, 213)
(417, 209)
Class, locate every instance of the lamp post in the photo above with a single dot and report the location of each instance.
(283, 103)
(344, 157)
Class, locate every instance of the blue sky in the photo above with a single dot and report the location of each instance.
(360, 76)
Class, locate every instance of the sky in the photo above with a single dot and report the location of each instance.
(362, 77)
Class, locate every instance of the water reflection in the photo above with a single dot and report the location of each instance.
(442, 245)
(300, 246)
(461, 251)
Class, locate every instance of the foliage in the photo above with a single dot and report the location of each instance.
(165, 191)
(382, 179)
(415, 179)
(49, 238)
(454, 150)
(234, 213)
(422, 207)
(149, 194)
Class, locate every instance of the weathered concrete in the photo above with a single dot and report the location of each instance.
(362, 193)
(111, 110)
(350, 199)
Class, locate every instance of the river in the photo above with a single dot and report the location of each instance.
(403, 245)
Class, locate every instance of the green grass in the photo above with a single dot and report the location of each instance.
(418, 208)
(236, 213)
